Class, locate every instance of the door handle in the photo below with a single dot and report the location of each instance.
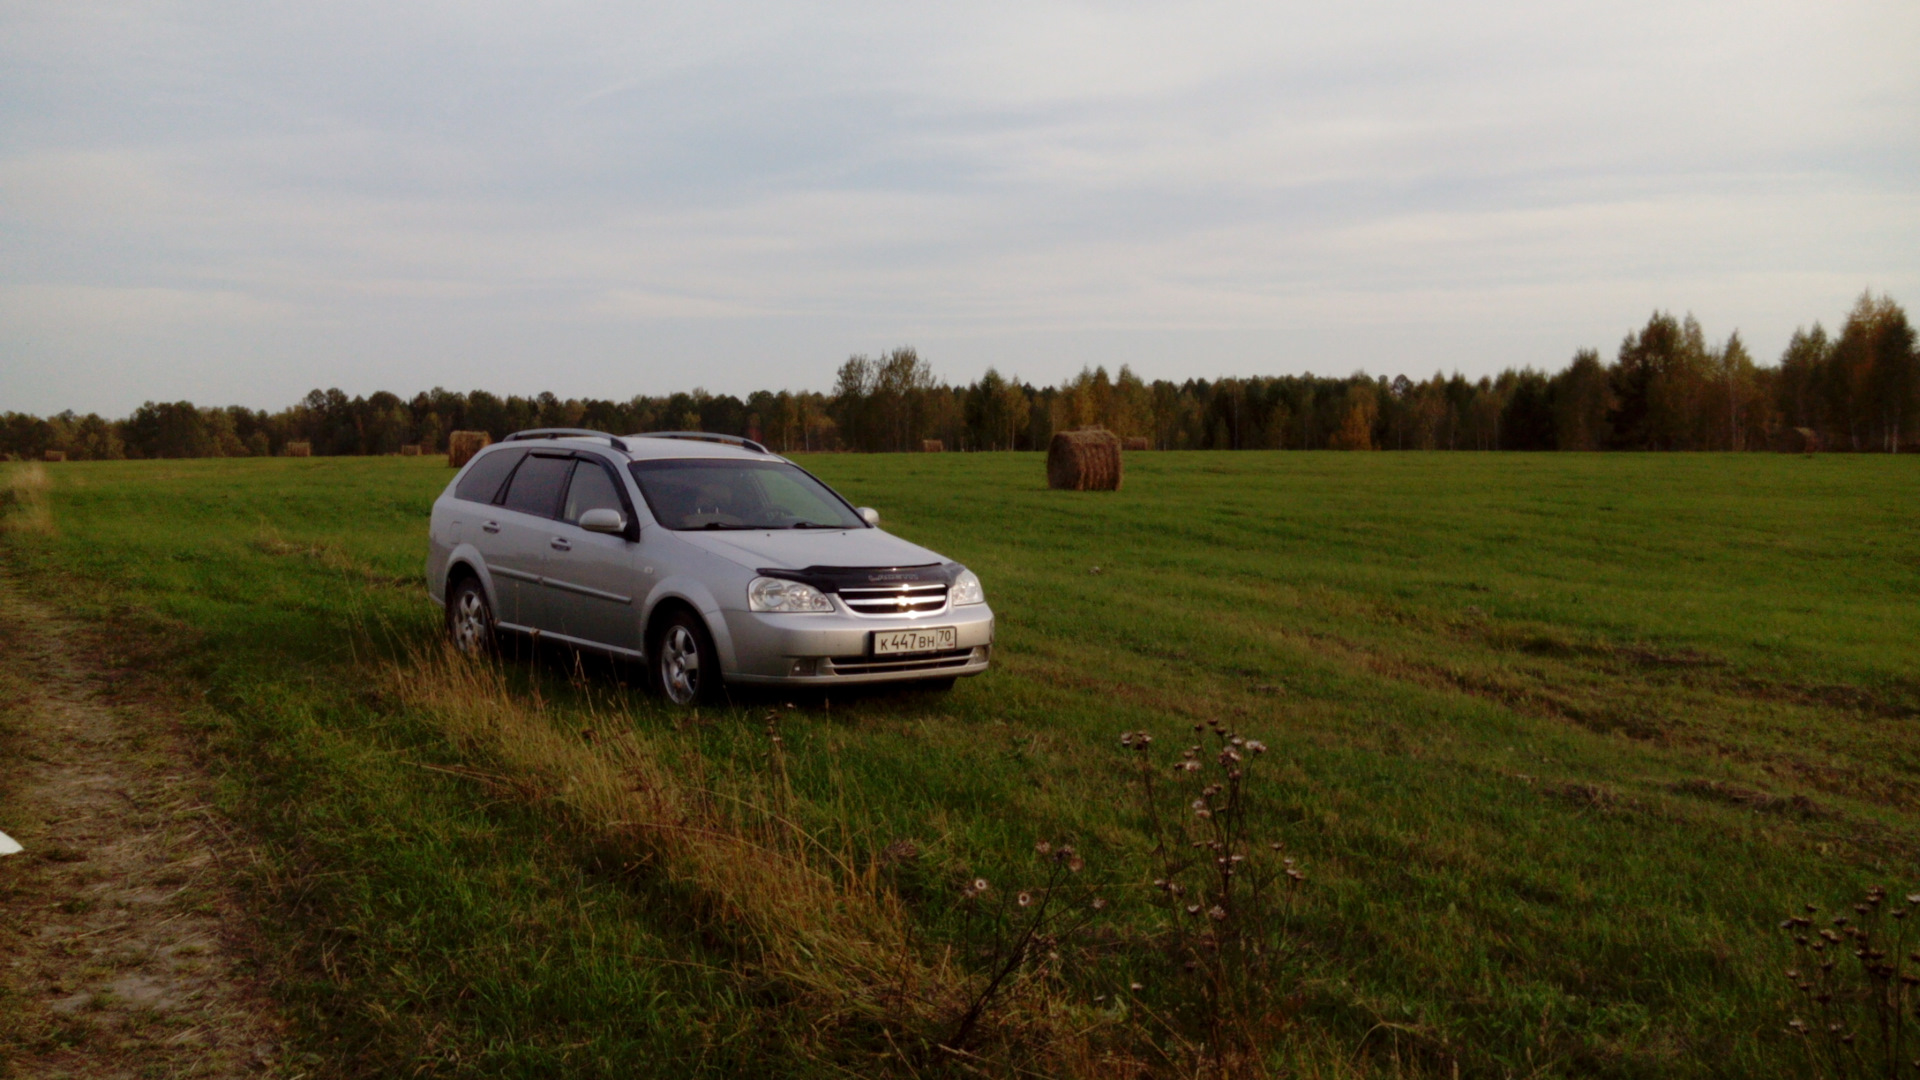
(559, 543)
(491, 526)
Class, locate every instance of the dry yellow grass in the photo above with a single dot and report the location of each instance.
(23, 499)
(814, 912)
(818, 917)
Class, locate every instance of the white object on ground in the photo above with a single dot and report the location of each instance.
(9, 846)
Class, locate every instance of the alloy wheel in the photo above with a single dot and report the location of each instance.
(470, 622)
(680, 665)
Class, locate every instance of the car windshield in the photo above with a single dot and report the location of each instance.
(726, 493)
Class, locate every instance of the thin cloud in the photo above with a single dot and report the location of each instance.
(234, 205)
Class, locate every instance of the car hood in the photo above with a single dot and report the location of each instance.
(797, 549)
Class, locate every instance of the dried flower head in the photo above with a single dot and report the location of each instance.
(1024, 899)
(1099, 903)
(1075, 864)
(979, 884)
(1217, 913)
(1041, 847)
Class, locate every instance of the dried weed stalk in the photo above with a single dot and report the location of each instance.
(1228, 896)
(1018, 934)
(1855, 978)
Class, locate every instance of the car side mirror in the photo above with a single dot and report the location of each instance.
(604, 520)
(869, 515)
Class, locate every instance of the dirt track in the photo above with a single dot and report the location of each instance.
(122, 949)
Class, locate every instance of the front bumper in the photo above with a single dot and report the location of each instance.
(837, 649)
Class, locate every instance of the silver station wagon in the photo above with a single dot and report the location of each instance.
(708, 557)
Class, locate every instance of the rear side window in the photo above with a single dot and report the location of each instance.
(537, 484)
(482, 482)
(592, 489)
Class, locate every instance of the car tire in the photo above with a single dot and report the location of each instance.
(470, 619)
(684, 664)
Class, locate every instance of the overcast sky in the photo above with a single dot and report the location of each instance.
(237, 202)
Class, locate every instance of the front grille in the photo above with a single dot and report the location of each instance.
(868, 665)
(903, 598)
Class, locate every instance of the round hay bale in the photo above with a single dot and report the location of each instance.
(932, 446)
(299, 449)
(1139, 442)
(410, 450)
(1085, 460)
(54, 455)
(1802, 441)
(462, 445)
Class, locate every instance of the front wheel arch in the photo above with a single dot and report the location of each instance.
(667, 659)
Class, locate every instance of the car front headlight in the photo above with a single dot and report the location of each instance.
(966, 590)
(778, 594)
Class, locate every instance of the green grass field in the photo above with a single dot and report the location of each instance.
(1557, 738)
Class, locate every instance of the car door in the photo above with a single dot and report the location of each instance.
(473, 517)
(589, 575)
(525, 532)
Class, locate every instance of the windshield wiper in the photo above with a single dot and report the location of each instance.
(813, 525)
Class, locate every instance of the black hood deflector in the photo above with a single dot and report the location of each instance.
(831, 579)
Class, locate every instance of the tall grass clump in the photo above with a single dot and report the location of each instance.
(23, 499)
(815, 919)
(819, 919)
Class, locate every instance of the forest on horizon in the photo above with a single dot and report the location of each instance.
(1667, 388)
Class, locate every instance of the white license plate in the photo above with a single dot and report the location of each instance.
(923, 639)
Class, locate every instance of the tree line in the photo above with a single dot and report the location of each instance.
(1667, 388)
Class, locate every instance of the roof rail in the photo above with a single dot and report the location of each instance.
(566, 433)
(707, 436)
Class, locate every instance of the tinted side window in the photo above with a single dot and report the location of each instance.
(592, 489)
(537, 484)
(482, 482)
